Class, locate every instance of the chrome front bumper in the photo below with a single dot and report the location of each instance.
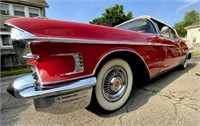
(66, 98)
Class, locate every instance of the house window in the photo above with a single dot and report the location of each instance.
(18, 10)
(9, 60)
(33, 12)
(4, 9)
(6, 40)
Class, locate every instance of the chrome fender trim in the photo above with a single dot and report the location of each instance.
(121, 50)
(24, 87)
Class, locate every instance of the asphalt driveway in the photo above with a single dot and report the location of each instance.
(171, 99)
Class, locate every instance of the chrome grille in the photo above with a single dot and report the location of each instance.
(36, 78)
(78, 63)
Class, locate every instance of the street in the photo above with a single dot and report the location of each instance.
(170, 99)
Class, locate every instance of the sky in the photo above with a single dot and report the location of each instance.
(168, 11)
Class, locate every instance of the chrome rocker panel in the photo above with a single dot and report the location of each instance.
(67, 98)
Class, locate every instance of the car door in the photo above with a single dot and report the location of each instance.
(152, 52)
(171, 50)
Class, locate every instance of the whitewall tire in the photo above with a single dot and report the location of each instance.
(114, 84)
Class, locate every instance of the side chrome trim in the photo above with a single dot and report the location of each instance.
(90, 41)
(64, 54)
(168, 45)
(120, 50)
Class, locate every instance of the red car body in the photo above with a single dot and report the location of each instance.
(64, 52)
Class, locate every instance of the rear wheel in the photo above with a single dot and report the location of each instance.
(114, 84)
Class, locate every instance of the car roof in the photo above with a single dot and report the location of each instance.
(143, 17)
(149, 18)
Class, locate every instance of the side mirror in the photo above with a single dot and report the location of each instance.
(165, 30)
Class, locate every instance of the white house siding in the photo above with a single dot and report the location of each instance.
(12, 9)
(193, 35)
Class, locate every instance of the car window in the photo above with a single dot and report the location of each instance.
(140, 26)
(156, 26)
(173, 34)
(166, 34)
(170, 34)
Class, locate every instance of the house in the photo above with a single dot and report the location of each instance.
(12, 9)
(193, 35)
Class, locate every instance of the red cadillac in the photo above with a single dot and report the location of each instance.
(73, 62)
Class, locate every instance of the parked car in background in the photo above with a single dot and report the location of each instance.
(73, 62)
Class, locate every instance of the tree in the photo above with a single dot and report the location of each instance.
(112, 16)
(189, 18)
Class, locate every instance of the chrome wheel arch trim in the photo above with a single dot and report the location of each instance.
(120, 50)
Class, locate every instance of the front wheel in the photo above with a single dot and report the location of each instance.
(114, 84)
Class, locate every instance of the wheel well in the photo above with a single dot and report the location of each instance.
(189, 56)
(139, 69)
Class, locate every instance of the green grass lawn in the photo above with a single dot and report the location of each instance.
(12, 72)
(196, 54)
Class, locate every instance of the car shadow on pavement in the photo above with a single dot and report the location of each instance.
(11, 107)
(141, 95)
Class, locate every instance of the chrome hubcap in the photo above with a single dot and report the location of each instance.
(114, 84)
